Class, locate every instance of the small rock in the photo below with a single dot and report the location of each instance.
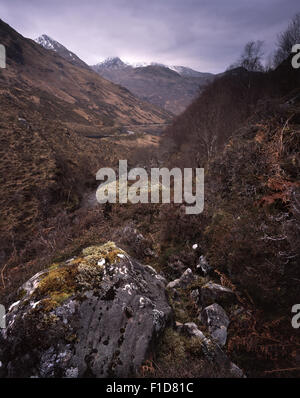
(236, 371)
(71, 373)
(214, 293)
(203, 266)
(191, 329)
(217, 321)
(186, 278)
(148, 252)
(174, 284)
(177, 266)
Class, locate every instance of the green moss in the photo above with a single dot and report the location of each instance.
(57, 281)
(194, 347)
(109, 251)
(171, 348)
(54, 266)
(46, 305)
(60, 297)
(64, 280)
(21, 294)
(184, 307)
(178, 354)
(200, 281)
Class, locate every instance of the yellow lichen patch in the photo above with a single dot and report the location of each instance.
(76, 261)
(60, 297)
(47, 305)
(71, 338)
(85, 272)
(109, 251)
(54, 266)
(58, 285)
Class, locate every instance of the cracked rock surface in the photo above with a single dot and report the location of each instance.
(97, 315)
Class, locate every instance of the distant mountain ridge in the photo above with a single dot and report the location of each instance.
(170, 87)
(51, 84)
(117, 63)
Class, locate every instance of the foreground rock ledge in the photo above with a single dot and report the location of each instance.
(98, 315)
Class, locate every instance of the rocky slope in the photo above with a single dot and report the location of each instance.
(103, 314)
(244, 130)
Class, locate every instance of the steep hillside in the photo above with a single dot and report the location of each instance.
(170, 89)
(45, 165)
(222, 108)
(40, 81)
(244, 130)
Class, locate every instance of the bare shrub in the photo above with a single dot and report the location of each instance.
(287, 39)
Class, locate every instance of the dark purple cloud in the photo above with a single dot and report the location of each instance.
(204, 34)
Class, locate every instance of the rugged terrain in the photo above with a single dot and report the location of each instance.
(249, 230)
(231, 274)
(47, 105)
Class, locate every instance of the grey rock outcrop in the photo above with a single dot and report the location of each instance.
(97, 315)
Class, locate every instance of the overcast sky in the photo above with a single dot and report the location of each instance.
(206, 35)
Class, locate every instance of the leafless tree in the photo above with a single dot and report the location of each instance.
(251, 57)
(287, 39)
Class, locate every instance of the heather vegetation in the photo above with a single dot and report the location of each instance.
(244, 129)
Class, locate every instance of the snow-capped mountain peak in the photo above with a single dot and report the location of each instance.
(112, 63)
(50, 44)
(115, 63)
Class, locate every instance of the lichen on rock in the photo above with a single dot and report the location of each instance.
(84, 318)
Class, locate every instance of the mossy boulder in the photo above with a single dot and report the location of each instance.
(97, 315)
